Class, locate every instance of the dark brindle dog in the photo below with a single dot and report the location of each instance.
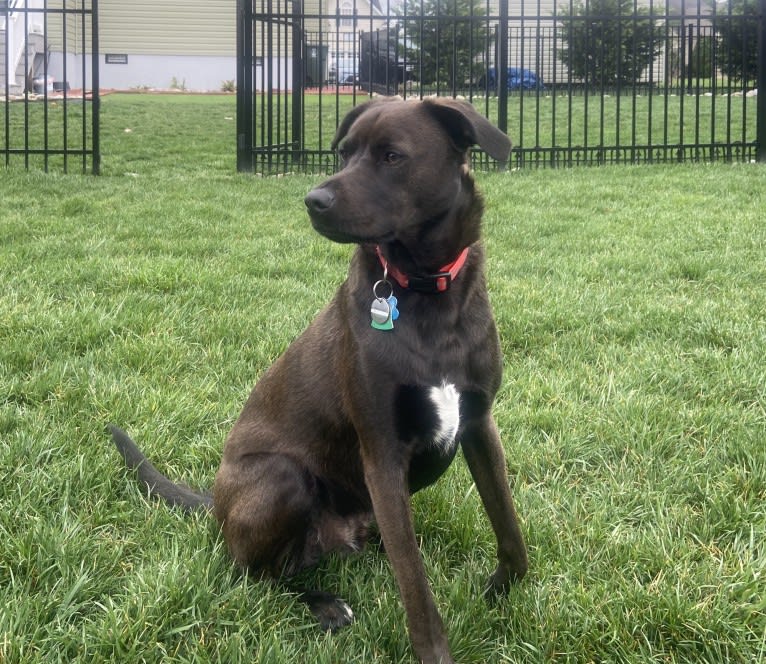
(370, 403)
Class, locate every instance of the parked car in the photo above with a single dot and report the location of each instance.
(344, 71)
(384, 63)
(518, 79)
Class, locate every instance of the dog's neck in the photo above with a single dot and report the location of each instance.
(436, 282)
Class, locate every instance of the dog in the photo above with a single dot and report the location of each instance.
(372, 401)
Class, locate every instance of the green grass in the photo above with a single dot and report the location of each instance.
(630, 303)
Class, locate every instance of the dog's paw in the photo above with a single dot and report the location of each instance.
(494, 589)
(501, 581)
(331, 611)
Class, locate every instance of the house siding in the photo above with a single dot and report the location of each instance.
(168, 27)
(162, 43)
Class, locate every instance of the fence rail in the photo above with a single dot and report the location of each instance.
(658, 82)
(46, 123)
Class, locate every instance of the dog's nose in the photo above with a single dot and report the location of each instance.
(319, 200)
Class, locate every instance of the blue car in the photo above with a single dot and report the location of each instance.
(518, 79)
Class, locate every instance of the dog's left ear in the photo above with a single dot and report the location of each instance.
(467, 127)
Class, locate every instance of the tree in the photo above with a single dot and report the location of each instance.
(608, 42)
(447, 36)
(736, 29)
(702, 57)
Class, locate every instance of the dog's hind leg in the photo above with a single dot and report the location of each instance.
(274, 525)
(341, 534)
(265, 504)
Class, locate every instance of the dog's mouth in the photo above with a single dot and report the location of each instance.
(334, 234)
(343, 237)
(322, 207)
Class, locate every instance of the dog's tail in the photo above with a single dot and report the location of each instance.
(156, 483)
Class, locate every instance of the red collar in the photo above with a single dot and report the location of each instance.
(430, 283)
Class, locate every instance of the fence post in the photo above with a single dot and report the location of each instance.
(690, 60)
(95, 92)
(245, 66)
(760, 129)
(299, 75)
(501, 69)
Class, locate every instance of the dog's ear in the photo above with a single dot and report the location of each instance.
(467, 127)
(353, 115)
(348, 119)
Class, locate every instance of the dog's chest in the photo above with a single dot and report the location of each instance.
(428, 421)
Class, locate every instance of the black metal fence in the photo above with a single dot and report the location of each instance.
(571, 83)
(49, 84)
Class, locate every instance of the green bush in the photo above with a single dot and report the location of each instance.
(737, 34)
(447, 38)
(702, 58)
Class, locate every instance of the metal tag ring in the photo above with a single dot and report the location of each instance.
(385, 282)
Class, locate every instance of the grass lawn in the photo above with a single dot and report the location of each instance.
(632, 311)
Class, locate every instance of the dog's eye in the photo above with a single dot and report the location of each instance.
(391, 157)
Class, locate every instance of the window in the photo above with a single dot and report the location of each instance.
(347, 10)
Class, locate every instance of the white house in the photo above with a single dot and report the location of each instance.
(142, 43)
(191, 44)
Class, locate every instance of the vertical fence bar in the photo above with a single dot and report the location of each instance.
(694, 71)
(760, 131)
(570, 122)
(501, 69)
(690, 59)
(7, 85)
(682, 84)
(299, 53)
(84, 73)
(246, 65)
(356, 49)
(745, 75)
(26, 90)
(472, 25)
(46, 118)
(95, 92)
(710, 51)
(268, 60)
(65, 78)
(522, 65)
(669, 74)
(554, 83)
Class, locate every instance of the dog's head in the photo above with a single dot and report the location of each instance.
(405, 175)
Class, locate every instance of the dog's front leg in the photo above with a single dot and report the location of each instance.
(391, 503)
(486, 461)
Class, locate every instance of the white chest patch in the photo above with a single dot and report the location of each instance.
(446, 401)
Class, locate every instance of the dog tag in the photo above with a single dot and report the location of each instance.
(380, 311)
(388, 325)
(383, 310)
(392, 302)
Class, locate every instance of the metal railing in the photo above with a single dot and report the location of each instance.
(575, 89)
(49, 90)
